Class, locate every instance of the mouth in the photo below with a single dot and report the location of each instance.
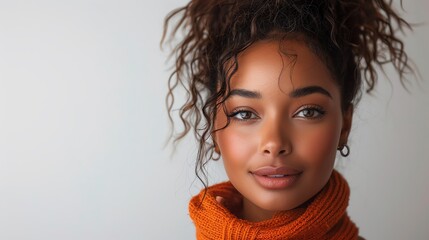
(276, 178)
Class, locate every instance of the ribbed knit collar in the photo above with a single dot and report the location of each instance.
(324, 217)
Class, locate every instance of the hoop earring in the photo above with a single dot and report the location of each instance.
(216, 148)
(216, 151)
(342, 152)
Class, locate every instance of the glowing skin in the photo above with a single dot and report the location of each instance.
(274, 125)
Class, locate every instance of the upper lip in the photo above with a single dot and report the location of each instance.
(269, 170)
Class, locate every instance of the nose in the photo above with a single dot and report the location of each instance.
(275, 138)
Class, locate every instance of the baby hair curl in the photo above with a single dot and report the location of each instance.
(353, 38)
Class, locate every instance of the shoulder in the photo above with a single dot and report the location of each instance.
(360, 238)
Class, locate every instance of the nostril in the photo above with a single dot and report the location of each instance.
(282, 152)
(267, 151)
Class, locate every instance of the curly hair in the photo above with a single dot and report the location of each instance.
(353, 37)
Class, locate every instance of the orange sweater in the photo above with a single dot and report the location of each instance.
(324, 217)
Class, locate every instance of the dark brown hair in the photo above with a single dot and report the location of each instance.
(353, 37)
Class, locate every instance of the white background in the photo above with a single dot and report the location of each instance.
(83, 126)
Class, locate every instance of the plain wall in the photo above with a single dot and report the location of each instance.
(83, 125)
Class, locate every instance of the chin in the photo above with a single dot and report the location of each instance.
(280, 203)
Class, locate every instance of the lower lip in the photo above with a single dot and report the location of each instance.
(277, 183)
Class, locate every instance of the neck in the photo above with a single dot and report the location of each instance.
(253, 213)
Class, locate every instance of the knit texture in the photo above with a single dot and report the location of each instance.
(324, 217)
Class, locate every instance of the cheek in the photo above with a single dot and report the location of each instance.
(232, 140)
(318, 146)
(235, 145)
(236, 151)
(230, 143)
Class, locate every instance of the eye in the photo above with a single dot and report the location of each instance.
(243, 115)
(310, 112)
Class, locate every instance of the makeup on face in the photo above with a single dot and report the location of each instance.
(285, 123)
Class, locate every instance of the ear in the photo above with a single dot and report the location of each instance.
(216, 148)
(214, 139)
(347, 125)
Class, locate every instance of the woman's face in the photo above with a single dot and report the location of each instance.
(286, 124)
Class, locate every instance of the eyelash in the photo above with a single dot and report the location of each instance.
(317, 109)
(314, 108)
(234, 113)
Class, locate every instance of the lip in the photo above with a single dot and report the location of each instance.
(276, 178)
(268, 170)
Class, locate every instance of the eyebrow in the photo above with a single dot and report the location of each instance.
(245, 93)
(296, 93)
(300, 92)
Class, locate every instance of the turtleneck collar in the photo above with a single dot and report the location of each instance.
(323, 217)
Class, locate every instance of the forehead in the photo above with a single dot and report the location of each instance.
(289, 64)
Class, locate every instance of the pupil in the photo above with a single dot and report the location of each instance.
(308, 113)
(244, 115)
